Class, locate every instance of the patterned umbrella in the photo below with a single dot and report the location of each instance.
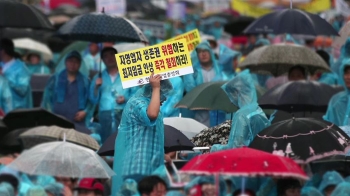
(100, 27)
(44, 134)
(278, 59)
(302, 139)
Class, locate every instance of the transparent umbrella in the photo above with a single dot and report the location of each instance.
(62, 159)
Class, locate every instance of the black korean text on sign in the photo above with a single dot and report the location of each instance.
(176, 47)
(148, 67)
(136, 57)
(146, 54)
(137, 70)
(181, 60)
(160, 64)
(127, 72)
(181, 47)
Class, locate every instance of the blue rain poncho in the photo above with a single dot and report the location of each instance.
(344, 54)
(18, 77)
(226, 60)
(128, 188)
(339, 106)
(250, 119)
(331, 178)
(36, 191)
(84, 68)
(213, 30)
(342, 189)
(6, 189)
(310, 191)
(38, 69)
(139, 147)
(55, 93)
(168, 108)
(93, 62)
(56, 189)
(5, 96)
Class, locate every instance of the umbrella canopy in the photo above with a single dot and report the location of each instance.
(291, 21)
(278, 59)
(10, 142)
(282, 115)
(244, 162)
(237, 25)
(100, 27)
(27, 118)
(303, 139)
(62, 159)
(20, 15)
(207, 96)
(174, 140)
(33, 46)
(188, 126)
(298, 96)
(3, 128)
(44, 134)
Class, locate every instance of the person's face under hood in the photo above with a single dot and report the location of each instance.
(241, 89)
(204, 53)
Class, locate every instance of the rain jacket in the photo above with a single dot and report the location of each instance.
(18, 77)
(310, 191)
(140, 142)
(55, 91)
(5, 96)
(226, 60)
(84, 68)
(38, 69)
(330, 178)
(94, 62)
(6, 189)
(108, 92)
(339, 106)
(344, 54)
(249, 120)
(36, 191)
(343, 189)
(213, 30)
(168, 108)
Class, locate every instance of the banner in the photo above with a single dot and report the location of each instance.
(114, 7)
(215, 6)
(193, 38)
(176, 10)
(170, 59)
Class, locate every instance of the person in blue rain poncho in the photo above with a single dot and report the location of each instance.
(329, 182)
(35, 65)
(342, 189)
(249, 120)
(344, 54)
(17, 75)
(84, 68)
(152, 40)
(180, 27)
(168, 108)
(6, 189)
(67, 92)
(107, 91)
(339, 106)
(140, 141)
(6, 104)
(92, 58)
(215, 26)
(206, 69)
(327, 78)
(191, 21)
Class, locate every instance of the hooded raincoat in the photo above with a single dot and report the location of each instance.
(59, 89)
(339, 106)
(330, 178)
(36, 191)
(110, 111)
(5, 96)
(250, 119)
(140, 142)
(84, 68)
(168, 108)
(226, 60)
(310, 191)
(6, 189)
(39, 68)
(342, 189)
(18, 77)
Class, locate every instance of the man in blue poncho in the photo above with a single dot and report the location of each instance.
(339, 106)
(67, 92)
(17, 74)
(139, 147)
(327, 78)
(92, 58)
(205, 70)
(35, 65)
(250, 119)
(107, 91)
(6, 104)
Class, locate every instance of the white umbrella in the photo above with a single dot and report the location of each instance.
(187, 126)
(62, 159)
(34, 46)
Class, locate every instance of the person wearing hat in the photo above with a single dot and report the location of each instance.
(90, 187)
(17, 74)
(67, 92)
(107, 91)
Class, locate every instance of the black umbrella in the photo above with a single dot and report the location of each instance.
(10, 143)
(174, 140)
(337, 162)
(3, 128)
(303, 139)
(291, 21)
(237, 25)
(100, 27)
(298, 96)
(20, 15)
(282, 115)
(28, 118)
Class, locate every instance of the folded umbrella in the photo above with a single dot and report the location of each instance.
(302, 139)
(245, 162)
(62, 159)
(292, 21)
(174, 140)
(278, 59)
(44, 134)
(298, 96)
